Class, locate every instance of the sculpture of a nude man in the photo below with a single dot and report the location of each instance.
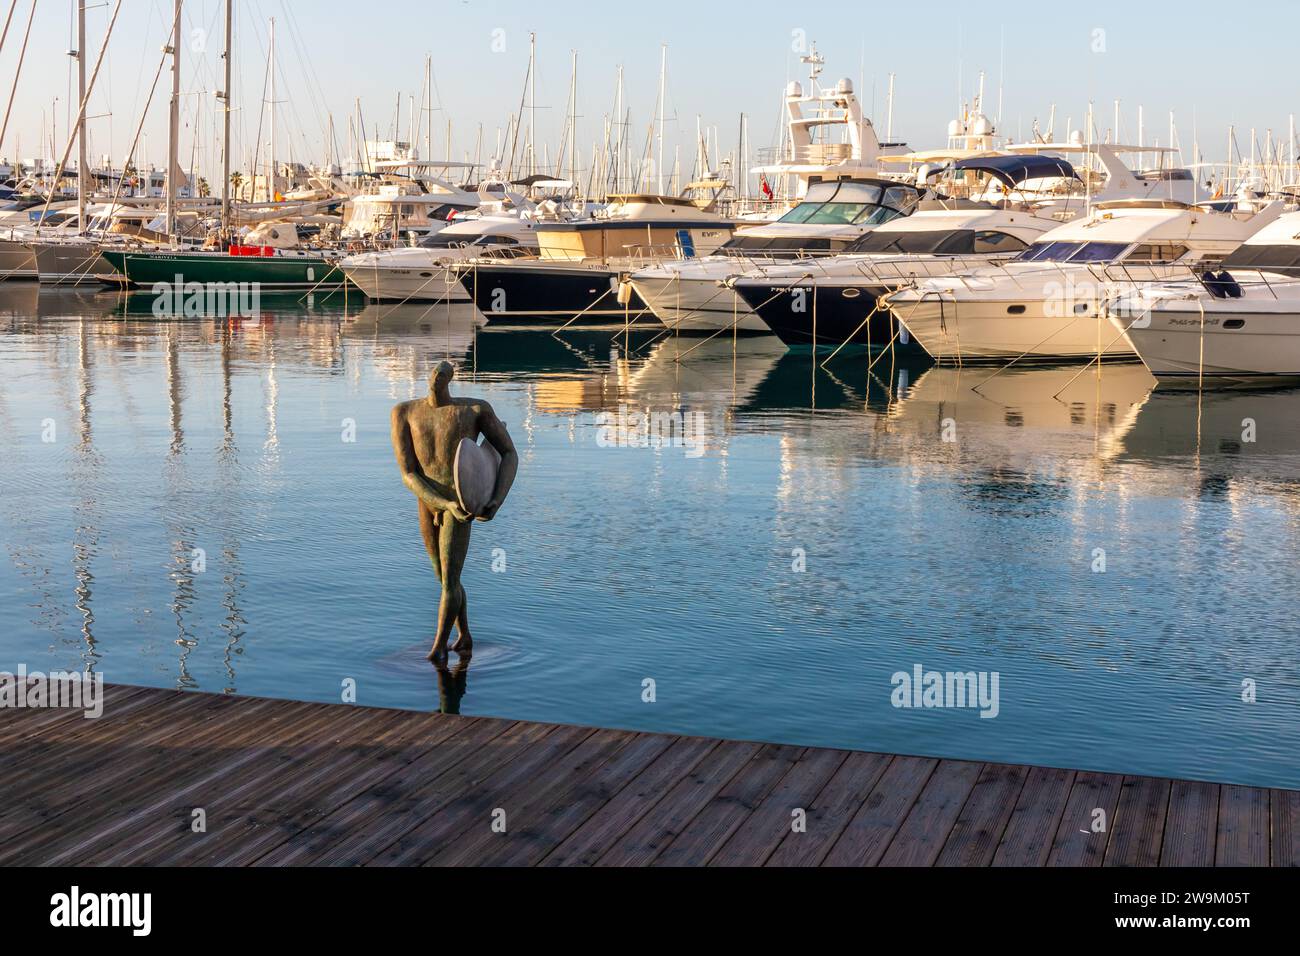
(426, 434)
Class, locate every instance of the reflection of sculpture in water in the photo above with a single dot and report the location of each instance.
(426, 435)
(451, 686)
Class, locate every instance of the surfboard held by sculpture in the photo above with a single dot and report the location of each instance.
(476, 469)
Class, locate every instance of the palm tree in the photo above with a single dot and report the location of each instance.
(204, 189)
(236, 181)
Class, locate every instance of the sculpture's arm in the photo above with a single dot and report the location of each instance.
(412, 475)
(494, 430)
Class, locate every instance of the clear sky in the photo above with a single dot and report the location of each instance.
(1211, 63)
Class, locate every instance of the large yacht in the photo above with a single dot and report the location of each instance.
(1049, 303)
(831, 303)
(1239, 324)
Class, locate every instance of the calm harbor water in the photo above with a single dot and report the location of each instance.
(1123, 558)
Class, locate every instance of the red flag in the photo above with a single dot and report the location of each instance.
(767, 190)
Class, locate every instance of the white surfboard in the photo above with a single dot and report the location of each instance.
(475, 469)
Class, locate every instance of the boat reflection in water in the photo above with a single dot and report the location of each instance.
(1215, 444)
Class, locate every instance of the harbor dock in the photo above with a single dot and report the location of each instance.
(168, 778)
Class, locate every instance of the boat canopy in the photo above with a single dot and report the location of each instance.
(1283, 259)
(1014, 170)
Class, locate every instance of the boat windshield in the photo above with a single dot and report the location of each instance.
(792, 247)
(1073, 252)
(933, 242)
(439, 241)
(851, 204)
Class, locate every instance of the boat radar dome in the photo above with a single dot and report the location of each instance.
(844, 86)
(794, 89)
(1076, 137)
(983, 127)
(954, 128)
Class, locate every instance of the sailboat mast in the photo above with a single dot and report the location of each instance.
(532, 104)
(81, 121)
(271, 179)
(225, 149)
(174, 127)
(663, 76)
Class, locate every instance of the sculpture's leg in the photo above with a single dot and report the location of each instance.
(465, 643)
(429, 531)
(453, 546)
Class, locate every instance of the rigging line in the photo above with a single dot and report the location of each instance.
(9, 19)
(17, 73)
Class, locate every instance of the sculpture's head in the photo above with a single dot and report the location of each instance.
(441, 376)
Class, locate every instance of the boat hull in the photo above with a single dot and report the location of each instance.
(305, 273)
(998, 331)
(696, 306)
(388, 284)
(821, 317)
(17, 261)
(1242, 343)
(551, 295)
(72, 264)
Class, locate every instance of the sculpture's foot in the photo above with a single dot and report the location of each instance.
(438, 656)
(464, 645)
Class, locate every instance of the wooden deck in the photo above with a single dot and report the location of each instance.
(282, 782)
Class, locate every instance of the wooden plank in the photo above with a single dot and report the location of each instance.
(1137, 829)
(1243, 838)
(757, 838)
(21, 723)
(979, 828)
(549, 824)
(86, 744)
(626, 808)
(652, 834)
(1191, 825)
(122, 822)
(1285, 816)
(120, 768)
(1076, 843)
(869, 833)
(831, 811)
(722, 816)
(476, 808)
(922, 835)
(531, 812)
(1027, 840)
(240, 830)
(372, 821)
(269, 786)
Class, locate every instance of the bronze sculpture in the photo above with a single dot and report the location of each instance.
(426, 434)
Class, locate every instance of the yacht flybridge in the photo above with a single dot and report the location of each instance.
(1050, 302)
(1238, 324)
(827, 137)
(828, 169)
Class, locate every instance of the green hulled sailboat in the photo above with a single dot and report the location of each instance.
(289, 269)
